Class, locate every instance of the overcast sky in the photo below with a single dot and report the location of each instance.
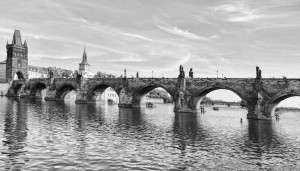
(159, 35)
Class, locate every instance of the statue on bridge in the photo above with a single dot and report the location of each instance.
(258, 73)
(50, 73)
(191, 73)
(78, 78)
(181, 72)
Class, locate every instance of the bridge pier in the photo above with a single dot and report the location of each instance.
(50, 95)
(258, 115)
(259, 109)
(183, 103)
(81, 97)
(125, 99)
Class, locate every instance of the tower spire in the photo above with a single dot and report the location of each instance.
(17, 38)
(84, 56)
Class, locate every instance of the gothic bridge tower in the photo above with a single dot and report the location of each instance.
(17, 58)
(84, 67)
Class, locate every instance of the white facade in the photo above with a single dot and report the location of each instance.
(36, 72)
(87, 74)
(3, 70)
(109, 93)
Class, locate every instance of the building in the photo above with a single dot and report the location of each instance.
(17, 58)
(61, 73)
(16, 65)
(84, 67)
(109, 94)
(3, 70)
(37, 72)
(104, 75)
(41, 72)
(84, 70)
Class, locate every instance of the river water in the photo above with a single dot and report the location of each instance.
(42, 135)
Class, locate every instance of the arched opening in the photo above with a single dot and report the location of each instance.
(103, 93)
(18, 76)
(149, 96)
(38, 90)
(66, 92)
(219, 98)
(289, 103)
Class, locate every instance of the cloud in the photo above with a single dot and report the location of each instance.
(182, 33)
(183, 60)
(223, 60)
(5, 30)
(239, 12)
(126, 59)
(59, 57)
(136, 36)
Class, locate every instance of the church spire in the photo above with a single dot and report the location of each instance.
(17, 38)
(84, 57)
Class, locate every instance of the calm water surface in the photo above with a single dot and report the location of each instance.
(39, 135)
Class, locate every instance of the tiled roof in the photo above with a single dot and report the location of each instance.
(17, 38)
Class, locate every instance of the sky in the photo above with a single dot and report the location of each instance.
(228, 36)
(231, 37)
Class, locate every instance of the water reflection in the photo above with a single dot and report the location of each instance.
(40, 135)
(91, 112)
(185, 128)
(263, 143)
(131, 116)
(15, 133)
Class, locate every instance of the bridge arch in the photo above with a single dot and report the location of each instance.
(200, 95)
(96, 91)
(272, 104)
(63, 90)
(37, 88)
(142, 91)
(19, 76)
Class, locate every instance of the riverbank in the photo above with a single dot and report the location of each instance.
(287, 109)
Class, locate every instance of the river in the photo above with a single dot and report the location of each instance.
(49, 135)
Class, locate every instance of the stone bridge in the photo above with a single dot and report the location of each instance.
(260, 95)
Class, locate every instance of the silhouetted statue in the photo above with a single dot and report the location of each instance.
(78, 78)
(258, 73)
(50, 73)
(181, 72)
(137, 74)
(125, 73)
(191, 73)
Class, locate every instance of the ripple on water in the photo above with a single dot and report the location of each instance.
(39, 135)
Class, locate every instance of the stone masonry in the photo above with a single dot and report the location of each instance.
(261, 95)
